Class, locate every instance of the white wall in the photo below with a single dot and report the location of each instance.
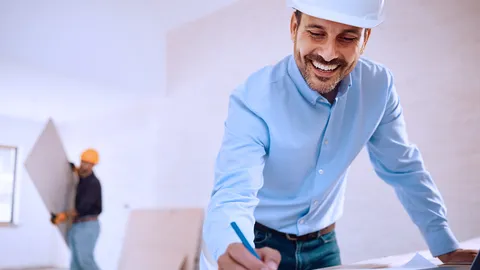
(31, 241)
(74, 53)
(38, 94)
(119, 46)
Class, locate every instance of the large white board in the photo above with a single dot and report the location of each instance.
(162, 239)
(49, 169)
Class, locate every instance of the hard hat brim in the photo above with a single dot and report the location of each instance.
(336, 16)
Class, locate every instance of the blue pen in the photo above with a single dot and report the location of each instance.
(244, 240)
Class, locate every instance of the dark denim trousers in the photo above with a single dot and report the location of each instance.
(301, 255)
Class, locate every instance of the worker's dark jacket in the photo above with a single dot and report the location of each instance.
(88, 200)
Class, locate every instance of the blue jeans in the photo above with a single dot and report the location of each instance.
(301, 255)
(82, 239)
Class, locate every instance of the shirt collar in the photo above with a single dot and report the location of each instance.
(302, 86)
(88, 177)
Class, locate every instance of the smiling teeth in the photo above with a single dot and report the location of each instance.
(324, 67)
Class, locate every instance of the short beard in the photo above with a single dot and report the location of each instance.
(321, 90)
(310, 78)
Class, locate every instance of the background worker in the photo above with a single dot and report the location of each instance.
(291, 133)
(85, 230)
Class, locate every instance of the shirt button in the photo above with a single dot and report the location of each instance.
(326, 141)
(301, 221)
(315, 202)
(320, 171)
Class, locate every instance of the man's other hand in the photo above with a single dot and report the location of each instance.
(237, 256)
(58, 218)
(459, 256)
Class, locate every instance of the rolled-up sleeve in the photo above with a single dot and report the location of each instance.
(238, 176)
(400, 164)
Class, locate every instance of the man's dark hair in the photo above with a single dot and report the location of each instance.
(298, 15)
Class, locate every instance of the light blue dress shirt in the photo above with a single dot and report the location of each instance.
(286, 152)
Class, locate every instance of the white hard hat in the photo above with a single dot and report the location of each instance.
(359, 13)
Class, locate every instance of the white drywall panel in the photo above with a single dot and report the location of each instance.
(51, 173)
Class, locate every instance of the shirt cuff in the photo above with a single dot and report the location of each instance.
(222, 247)
(441, 241)
(230, 237)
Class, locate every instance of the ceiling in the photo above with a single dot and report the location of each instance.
(55, 52)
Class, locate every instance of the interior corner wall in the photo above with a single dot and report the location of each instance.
(189, 136)
(31, 242)
(431, 57)
(105, 43)
(229, 45)
(200, 77)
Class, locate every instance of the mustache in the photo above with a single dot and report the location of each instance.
(320, 59)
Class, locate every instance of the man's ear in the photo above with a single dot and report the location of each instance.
(293, 27)
(365, 39)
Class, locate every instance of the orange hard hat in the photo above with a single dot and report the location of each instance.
(90, 155)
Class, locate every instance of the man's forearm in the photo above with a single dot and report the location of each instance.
(440, 240)
(422, 201)
(399, 163)
(238, 176)
(223, 209)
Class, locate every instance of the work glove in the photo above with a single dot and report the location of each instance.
(72, 166)
(58, 218)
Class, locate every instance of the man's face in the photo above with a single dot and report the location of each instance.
(85, 168)
(326, 51)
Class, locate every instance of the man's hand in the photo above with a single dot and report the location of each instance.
(238, 257)
(58, 218)
(73, 167)
(459, 256)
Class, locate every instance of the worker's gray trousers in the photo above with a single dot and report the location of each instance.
(82, 239)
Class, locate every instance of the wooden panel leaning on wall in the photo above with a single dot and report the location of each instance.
(162, 239)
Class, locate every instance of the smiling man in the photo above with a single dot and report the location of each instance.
(292, 131)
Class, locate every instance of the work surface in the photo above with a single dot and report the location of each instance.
(400, 260)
